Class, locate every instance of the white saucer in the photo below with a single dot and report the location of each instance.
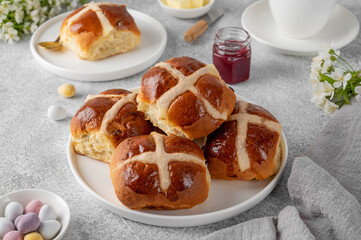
(341, 30)
(226, 198)
(66, 64)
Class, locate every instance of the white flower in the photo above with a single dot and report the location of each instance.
(33, 27)
(11, 35)
(27, 28)
(330, 107)
(27, 15)
(314, 77)
(4, 10)
(327, 64)
(358, 92)
(73, 4)
(19, 15)
(340, 79)
(319, 92)
(51, 13)
(7, 26)
(316, 64)
(35, 15)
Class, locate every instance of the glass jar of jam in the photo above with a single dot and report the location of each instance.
(232, 54)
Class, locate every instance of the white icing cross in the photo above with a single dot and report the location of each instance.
(113, 111)
(243, 118)
(187, 84)
(98, 11)
(162, 159)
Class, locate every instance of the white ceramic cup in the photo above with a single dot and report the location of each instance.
(301, 18)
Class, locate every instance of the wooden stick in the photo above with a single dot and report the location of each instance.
(195, 31)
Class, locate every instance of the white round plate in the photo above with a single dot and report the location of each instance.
(341, 29)
(66, 64)
(226, 198)
(27, 195)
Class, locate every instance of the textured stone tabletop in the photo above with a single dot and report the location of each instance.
(33, 148)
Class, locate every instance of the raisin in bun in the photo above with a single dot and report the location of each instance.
(246, 146)
(185, 97)
(159, 172)
(104, 121)
(99, 30)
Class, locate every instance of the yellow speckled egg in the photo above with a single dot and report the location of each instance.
(33, 236)
(66, 90)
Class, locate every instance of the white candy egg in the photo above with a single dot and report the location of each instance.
(49, 228)
(56, 113)
(5, 226)
(47, 213)
(13, 210)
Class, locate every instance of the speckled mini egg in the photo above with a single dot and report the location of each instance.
(66, 90)
(47, 213)
(34, 206)
(16, 222)
(13, 210)
(49, 228)
(33, 236)
(5, 226)
(56, 113)
(28, 223)
(13, 235)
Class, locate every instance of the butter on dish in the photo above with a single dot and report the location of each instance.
(185, 4)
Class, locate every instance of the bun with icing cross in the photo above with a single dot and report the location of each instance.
(104, 121)
(99, 30)
(159, 172)
(246, 146)
(185, 97)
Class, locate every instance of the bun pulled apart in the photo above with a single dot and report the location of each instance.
(104, 121)
(99, 30)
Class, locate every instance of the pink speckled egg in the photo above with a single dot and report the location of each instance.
(13, 235)
(34, 206)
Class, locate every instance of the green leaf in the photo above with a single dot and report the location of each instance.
(338, 94)
(345, 97)
(326, 78)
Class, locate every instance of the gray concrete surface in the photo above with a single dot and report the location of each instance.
(33, 148)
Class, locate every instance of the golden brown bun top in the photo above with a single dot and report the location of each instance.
(158, 80)
(254, 109)
(145, 178)
(89, 24)
(261, 143)
(188, 110)
(140, 144)
(127, 122)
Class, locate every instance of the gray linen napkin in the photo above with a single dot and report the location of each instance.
(324, 185)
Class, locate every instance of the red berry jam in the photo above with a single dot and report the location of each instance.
(232, 54)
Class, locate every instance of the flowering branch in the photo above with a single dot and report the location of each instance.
(21, 17)
(334, 81)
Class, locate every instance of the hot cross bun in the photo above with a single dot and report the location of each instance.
(185, 97)
(159, 172)
(99, 30)
(246, 146)
(104, 121)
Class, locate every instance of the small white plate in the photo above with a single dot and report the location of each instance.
(66, 64)
(341, 29)
(54, 201)
(226, 198)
